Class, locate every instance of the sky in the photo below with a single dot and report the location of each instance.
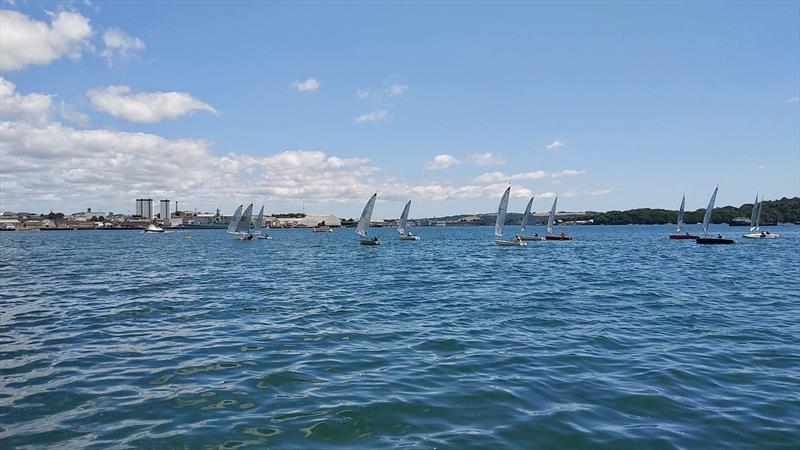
(611, 105)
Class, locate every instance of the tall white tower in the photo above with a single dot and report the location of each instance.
(165, 212)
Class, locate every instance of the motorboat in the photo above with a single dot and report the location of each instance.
(152, 228)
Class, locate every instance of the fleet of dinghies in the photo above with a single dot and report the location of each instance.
(241, 224)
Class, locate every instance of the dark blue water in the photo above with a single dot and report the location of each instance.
(619, 339)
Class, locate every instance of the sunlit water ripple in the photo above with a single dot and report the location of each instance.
(618, 339)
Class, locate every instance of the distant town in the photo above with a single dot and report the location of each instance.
(785, 210)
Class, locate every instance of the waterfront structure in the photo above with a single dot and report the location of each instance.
(309, 221)
(144, 208)
(164, 212)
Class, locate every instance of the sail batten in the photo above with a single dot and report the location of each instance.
(526, 217)
(235, 219)
(709, 209)
(502, 210)
(552, 217)
(366, 216)
(401, 226)
(246, 221)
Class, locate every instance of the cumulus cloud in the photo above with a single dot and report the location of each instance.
(556, 145)
(597, 192)
(25, 41)
(396, 89)
(442, 161)
(119, 44)
(486, 159)
(30, 108)
(377, 115)
(73, 116)
(145, 107)
(309, 85)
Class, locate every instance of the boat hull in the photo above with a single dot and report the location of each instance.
(369, 242)
(531, 238)
(759, 236)
(264, 238)
(409, 238)
(323, 230)
(558, 238)
(712, 241)
(683, 236)
(505, 243)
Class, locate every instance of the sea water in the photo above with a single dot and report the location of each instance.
(618, 339)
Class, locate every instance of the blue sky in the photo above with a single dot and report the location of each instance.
(637, 102)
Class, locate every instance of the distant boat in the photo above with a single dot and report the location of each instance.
(706, 220)
(550, 221)
(322, 229)
(240, 223)
(153, 229)
(502, 210)
(401, 225)
(525, 219)
(755, 223)
(678, 230)
(259, 232)
(363, 222)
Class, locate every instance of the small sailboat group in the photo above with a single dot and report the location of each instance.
(755, 223)
(241, 224)
(366, 216)
(519, 239)
(754, 233)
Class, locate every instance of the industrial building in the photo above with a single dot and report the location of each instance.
(144, 208)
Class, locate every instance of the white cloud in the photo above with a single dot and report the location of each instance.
(598, 192)
(377, 115)
(442, 161)
(494, 177)
(486, 159)
(309, 85)
(120, 44)
(555, 145)
(793, 100)
(25, 41)
(30, 108)
(396, 89)
(761, 167)
(145, 107)
(72, 115)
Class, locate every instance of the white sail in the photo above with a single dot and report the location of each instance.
(502, 209)
(753, 214)
(366, 216)
(526, 217)
(401, 226)
(758, 216)
(246, 221)
(680, 214)
(552, 217)
(260, 220)
(235, 219)
(709, 209)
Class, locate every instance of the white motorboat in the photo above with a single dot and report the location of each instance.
(153, 229)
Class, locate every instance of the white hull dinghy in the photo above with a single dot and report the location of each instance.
(525, 219)
(502, 210)
(363, 223)
(259, 232)
(401, 225)
(755, 223)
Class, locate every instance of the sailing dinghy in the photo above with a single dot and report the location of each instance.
(363, 223)
(677, 234)
(755, 223)
(240, 223)
(401, 225)
(502, 210)
(525, 219)
(259, 232)
(550, 221)
(707, 220)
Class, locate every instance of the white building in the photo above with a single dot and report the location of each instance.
(144, 208)
(164, 212)
(311, 220)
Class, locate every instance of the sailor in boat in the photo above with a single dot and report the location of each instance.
(687, 233)
(517, 238)
(409, 234)
(562, 234)
(375, 239)
(763, 234)
(535, 235)
(719, 236)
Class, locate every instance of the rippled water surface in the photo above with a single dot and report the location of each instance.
(619, 339)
